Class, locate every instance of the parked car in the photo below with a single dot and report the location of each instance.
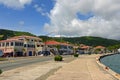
(45, 53)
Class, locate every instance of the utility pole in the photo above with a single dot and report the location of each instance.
(46, 39)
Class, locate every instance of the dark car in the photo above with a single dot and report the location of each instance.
(45, 53)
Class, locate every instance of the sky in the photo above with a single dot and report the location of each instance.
(71, 18)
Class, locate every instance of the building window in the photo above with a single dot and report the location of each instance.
(38, 45)
(32, 40)
(11, 43)
(25, 45)
(40, 41)
(28, 45)
(7, 44)
(16, 44)
(21, 44)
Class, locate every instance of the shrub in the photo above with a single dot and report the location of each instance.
(0, 71)
(89, 53)
(3, 59)
(58, 58)
(76, 55)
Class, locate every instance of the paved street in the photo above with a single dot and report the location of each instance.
(36, 71)
(19, 62)
(83, 68)
(23, 61)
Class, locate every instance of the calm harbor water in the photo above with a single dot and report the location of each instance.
(113, 62)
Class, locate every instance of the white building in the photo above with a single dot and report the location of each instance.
(21, 46)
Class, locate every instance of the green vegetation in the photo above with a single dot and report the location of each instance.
(92, 41)
(46, 38)
(76, 55)
(58, 58)
(9, 33)
(3, 59)
(0, 71)
(114, 47)
(87, 40)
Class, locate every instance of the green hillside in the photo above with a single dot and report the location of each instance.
(4, 34)
(88, 40)
(92, 41)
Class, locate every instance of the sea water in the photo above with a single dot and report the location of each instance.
(112, 62)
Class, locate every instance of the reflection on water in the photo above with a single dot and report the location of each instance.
(112, 61)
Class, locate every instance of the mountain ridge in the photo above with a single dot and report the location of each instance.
(5, 33)
(87, 40)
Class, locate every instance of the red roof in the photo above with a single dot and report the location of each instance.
(56, 43)
(85, 47)
(52, 43)
(99, 47)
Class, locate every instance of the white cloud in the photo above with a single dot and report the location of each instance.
(15, 4)
(21, 23)
(104, 23)
(40, 10)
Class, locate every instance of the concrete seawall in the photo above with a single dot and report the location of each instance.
(113, 73)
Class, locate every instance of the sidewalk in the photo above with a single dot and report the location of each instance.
(83, 68)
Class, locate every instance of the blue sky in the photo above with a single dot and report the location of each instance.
(71, 18)
(27, 18)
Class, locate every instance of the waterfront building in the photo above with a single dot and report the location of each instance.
(84, 49)
(99, 49)
(119, 50)
(59, 47)
(21, 46)
(66, 48)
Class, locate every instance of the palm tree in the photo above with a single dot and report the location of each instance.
(24, 51)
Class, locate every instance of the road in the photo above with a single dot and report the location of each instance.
(19, 62)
